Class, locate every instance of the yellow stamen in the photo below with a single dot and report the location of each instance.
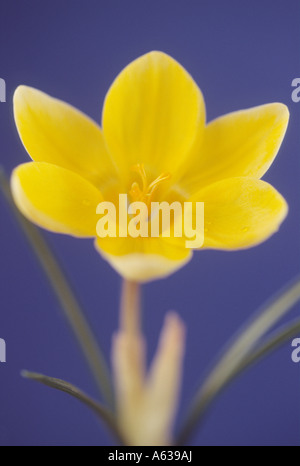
(146, 193)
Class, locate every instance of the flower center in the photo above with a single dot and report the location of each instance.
(146, 192)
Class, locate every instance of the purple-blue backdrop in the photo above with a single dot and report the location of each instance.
(241, 54)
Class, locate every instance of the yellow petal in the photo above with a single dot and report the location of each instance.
(240, 213)
(55, 132)
(56, 199)
(143, 259)
(153, 114)
(242, 143)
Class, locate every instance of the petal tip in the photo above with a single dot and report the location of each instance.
(21, 92)
(282, 111)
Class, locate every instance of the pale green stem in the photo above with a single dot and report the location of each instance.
(65, 295)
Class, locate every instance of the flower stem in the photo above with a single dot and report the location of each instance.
(130, 308)
(128, 362)
(65, 295)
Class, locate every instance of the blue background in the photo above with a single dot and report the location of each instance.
(241, 54)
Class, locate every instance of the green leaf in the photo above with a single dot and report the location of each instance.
(101, 411)
(242, 352)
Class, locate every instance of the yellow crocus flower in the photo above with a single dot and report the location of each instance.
(154, 145)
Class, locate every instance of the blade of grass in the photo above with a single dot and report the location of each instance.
(65, 295)
(101, 411)
(270, 344)
(238, 353)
